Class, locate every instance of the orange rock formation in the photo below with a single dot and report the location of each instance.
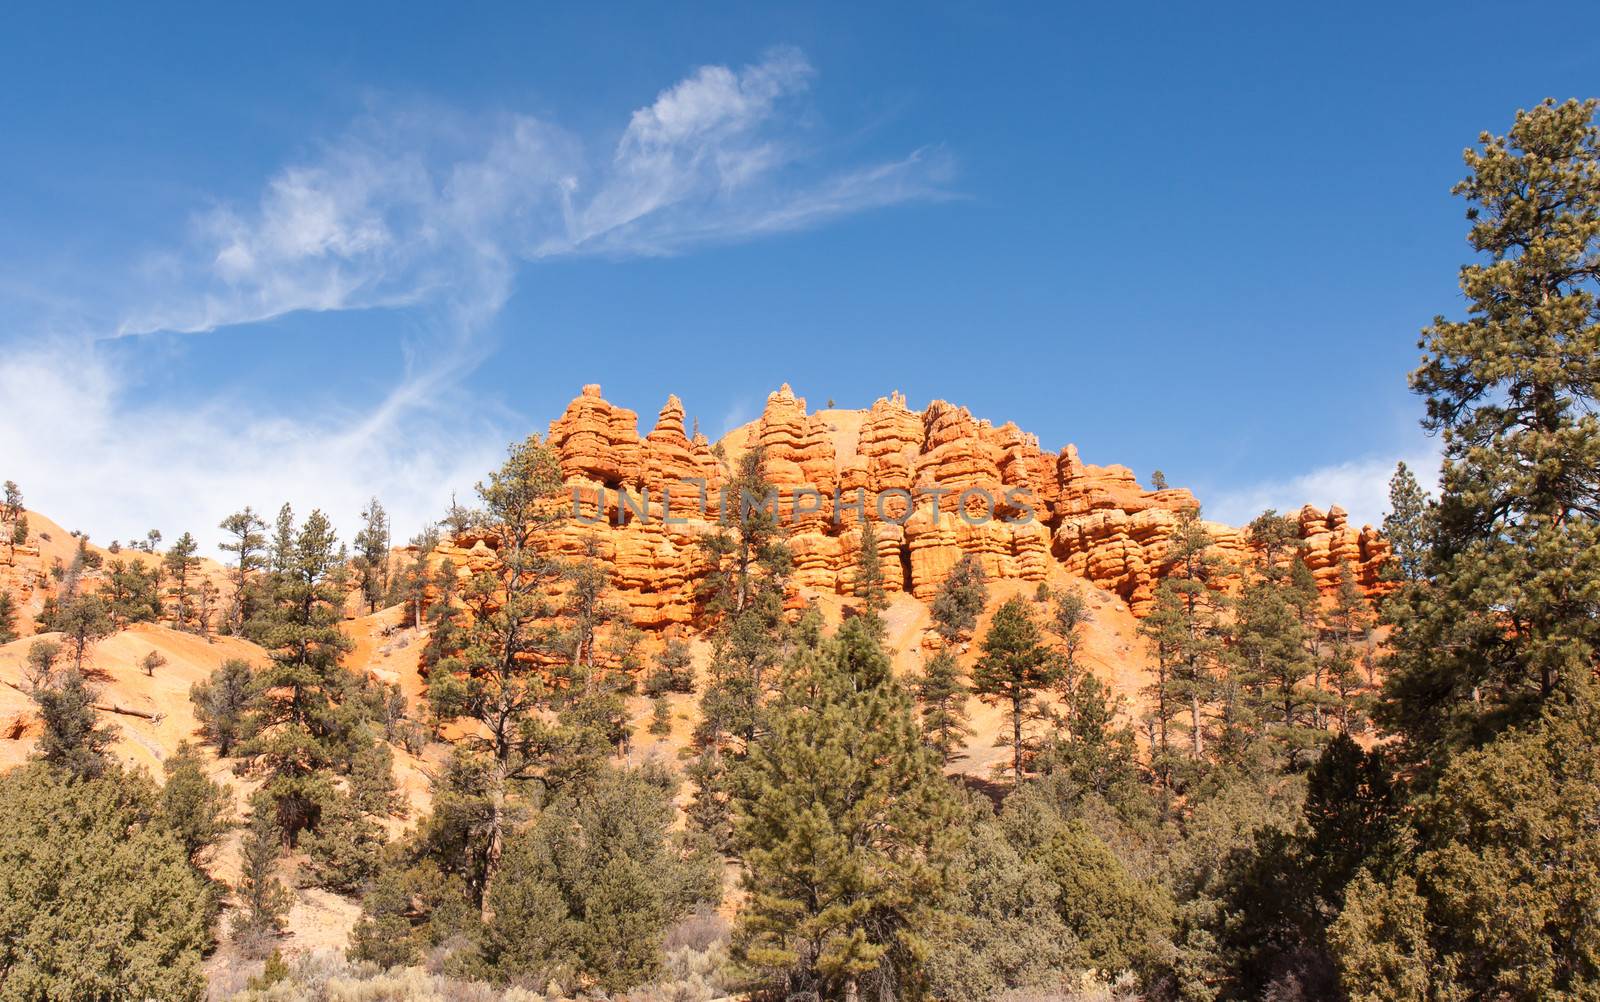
(939, 484)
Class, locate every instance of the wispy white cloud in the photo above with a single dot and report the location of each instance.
(92, 456)
(429, 209)
(1359, 486)
(435, 208)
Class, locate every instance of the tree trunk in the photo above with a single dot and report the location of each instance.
(496, 843)
(852, 991)
(1196, 735)
(1016, 740)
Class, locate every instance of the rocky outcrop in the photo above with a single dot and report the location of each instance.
(939, 483)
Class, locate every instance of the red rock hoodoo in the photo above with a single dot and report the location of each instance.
(938, 483)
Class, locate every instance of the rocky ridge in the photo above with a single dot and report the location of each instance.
(938, 483)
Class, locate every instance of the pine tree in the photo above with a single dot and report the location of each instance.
(12, 518)
(674, 671)
(372, 554)
(1407, 526)
(82, 622)
(586, 609)
(1491, 684)
(263, 900)
(8, 618)
(960, 601)
(296, 729)
(660, 717)
(1347, 624)
(247, 542)
(412, 587)
(749, 560)
(72, 739)
(222, 703)
(1163, 627)
(495, 679)
(1014, 668)
(181, 563)
(1508, 621)
(133, 592)
(843, 822)
(744, 588)
(1069, 620)
(869, 577)
(1270, 640)
(346, 849)
(195, 808)
(1198, 649)
(944, 705)
(593, 884)
(1499, 900)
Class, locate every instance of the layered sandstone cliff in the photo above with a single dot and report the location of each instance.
(938, 483)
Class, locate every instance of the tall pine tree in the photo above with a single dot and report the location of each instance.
(843, 822)
(1514, 388)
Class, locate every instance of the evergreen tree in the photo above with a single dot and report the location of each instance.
(181, 563)
(133, 592)
(1115, 919)
(72, 739)
(744, 588)
(412, 586)
(495, 679)
(346, 849)
(297, 731)
(1271, 643)
(13, 518)
(1347, 624)
(82, 621)
(944, 705)
(869, 577)
(1508, 621)
(372, 554)
(1163, 627)
(843, 823)
(674, 669)
(1280, 898)
(1407, 526)
(41, 660)
(748, 558)
(960, 600)
(222, 703)
(1197, 643)
(660, 717)
(247, 542)
(263, 900)
(1014, 668)
(587, 609)
(195, 808)
(8, 618)
(592, 886)
(1069, 620)
(1094, 752)
(1005, 932)
(97, 898)
(1499, 900)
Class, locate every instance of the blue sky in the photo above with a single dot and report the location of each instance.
(318, 252)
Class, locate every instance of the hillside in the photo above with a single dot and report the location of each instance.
(1096, 531)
